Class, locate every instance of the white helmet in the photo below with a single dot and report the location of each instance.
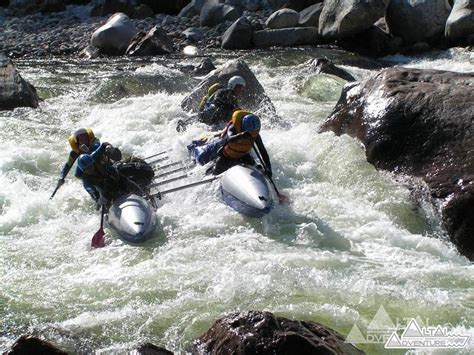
(234, 81)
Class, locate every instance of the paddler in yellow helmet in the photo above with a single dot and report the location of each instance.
(82, 140)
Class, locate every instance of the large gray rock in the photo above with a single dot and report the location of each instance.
(253, 98)
(460, 23)
(155, 42)
(194, 34)
(114, 37)
(309, 17)
(419, 123)
(282, 19)
(325, 66)
(256, 332)
(346, 18)
(416, 20)
(286, 37)
(239, 35)
(14, 90)
(214, 13)
(192, 9)
(28, 344)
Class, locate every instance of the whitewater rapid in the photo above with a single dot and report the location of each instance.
(352, 240)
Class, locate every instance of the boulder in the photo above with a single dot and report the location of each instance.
(416, 20)
(309, 17)
(192, 9)
(373, 42)
(239, 35)
(282, 19)
(346, 18)
(213, 13)
(253, 98)
(155, 42)
(90, 52)
(263, 333)
(204, 67)
(286, 37)
(142, 12)
(325, 66)
(151, 349)
(27, 344)
(194, 34)
(460, 23)
(14, 90)
(192, 51)
(114, 37)
(418, 123)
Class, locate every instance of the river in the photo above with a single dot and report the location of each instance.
(352, 240)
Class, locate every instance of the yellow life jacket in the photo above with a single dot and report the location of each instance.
(73, 142)
(238, 149)
(211, 90)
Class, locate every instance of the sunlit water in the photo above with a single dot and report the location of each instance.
(351, 240)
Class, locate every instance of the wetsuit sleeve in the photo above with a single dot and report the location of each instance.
(70, 162)
(90, 188)
(263, 153)
(97, 154)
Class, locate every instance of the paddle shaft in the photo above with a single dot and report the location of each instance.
(55, 190)
(174, 189)
(265, 167)
(155, 155)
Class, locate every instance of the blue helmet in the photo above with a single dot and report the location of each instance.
(84, 161)
(250, 123)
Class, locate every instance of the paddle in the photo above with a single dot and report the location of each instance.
(60, 183)
(282, 199)
(98, 240)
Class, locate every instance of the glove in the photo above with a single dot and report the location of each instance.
(181, 126)
(60, 181)
(108, 149)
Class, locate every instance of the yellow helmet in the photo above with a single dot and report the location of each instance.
(77, 136)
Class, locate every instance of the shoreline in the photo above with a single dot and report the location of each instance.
(31, 36)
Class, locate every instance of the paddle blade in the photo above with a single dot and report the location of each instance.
(98, 240)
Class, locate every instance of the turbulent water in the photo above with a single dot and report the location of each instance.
(353, 238)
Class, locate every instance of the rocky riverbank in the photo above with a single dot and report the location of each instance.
(68, 32)
(55, 28)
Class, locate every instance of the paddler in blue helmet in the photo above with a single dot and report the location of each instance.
(98, 177)
(241, 134)
(232, 145)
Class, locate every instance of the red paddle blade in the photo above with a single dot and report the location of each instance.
(98, 240)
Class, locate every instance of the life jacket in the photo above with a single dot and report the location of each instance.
(238, 149)
(211, 90)
(73, 142)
